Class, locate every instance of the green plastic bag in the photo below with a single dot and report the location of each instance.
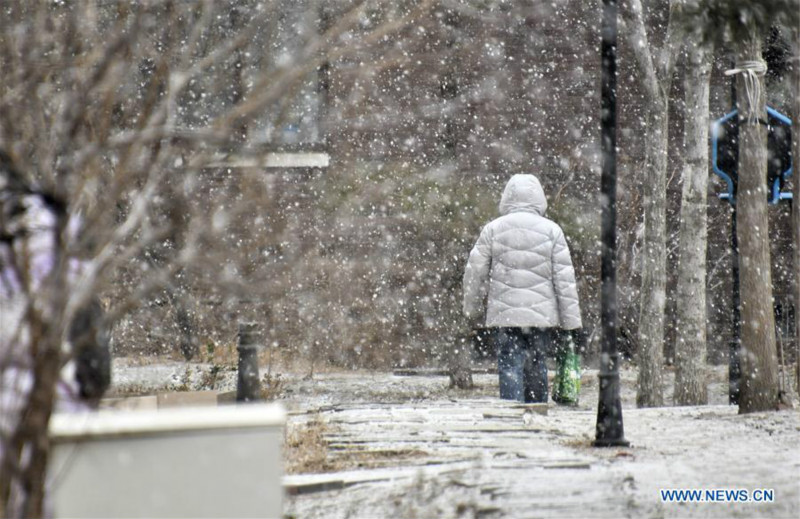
(567, 382)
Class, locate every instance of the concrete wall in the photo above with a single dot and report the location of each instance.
(193, 462)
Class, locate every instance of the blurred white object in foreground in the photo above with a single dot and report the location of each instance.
(191, 462)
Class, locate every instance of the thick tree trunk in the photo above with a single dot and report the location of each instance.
(759, 382)
(32, 431)
(690, 344)
(796, 196)
(653, 292)
(656, 73)
(29, 441)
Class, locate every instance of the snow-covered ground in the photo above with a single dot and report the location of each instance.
(405, 446)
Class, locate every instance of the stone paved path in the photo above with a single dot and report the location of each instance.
(483, 457)
(409, 447)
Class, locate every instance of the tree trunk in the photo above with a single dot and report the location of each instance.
(457, 336)
(796, 197)
(653, 292)
(33, 431)
(454, 328)
(655, 68)
(459, 362)
(25, 478)
(759, 382)
(690, 344)
(22, 481)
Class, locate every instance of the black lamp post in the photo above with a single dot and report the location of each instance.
(609, 410)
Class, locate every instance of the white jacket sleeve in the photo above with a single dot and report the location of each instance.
(564, 284)
(476, 276)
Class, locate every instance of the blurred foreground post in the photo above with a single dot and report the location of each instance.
(248, 388)
(609, 410)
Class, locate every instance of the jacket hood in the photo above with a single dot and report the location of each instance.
(523, 193)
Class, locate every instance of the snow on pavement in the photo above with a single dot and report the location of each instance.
(410, 447)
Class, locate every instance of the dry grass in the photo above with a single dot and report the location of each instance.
(142, 360)
(305, 448)
(225, 354)
(579, 442)
(271, 386)
(130, 390)
(218, 353)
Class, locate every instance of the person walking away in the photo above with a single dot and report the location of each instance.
(519, 281)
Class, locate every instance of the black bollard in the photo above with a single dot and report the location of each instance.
(248, 385)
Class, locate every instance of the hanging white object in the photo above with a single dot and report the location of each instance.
(751, 71)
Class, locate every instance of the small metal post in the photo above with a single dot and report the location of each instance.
(609, 430)
(248, 385)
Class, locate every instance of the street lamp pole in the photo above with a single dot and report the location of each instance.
(609, 410)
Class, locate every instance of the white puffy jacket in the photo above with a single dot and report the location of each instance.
(520, 272)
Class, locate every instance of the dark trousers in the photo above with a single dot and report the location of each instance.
(521, 363)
